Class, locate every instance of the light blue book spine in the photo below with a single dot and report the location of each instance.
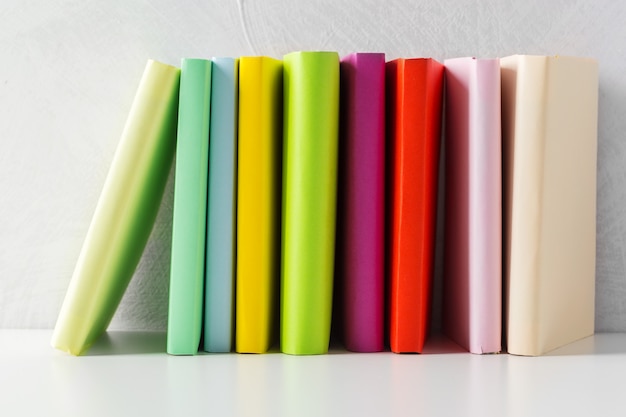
(221, 219)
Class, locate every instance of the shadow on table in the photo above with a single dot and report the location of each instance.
(598, 344)
(436, 344)
(129, 343)
(135, 342)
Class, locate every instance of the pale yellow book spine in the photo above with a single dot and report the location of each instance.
(258, 203)
(125, 212)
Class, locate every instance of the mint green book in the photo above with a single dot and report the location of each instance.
(186, 296)
(125, 212)
(311, 116)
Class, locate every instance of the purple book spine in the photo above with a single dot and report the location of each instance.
(361, 201)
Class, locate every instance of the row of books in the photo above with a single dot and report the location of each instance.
(313, 178)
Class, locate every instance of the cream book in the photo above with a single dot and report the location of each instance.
(549, 118)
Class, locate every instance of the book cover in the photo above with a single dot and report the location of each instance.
(361, 205)
(549, 117)
(311, 124)
(414, 100)
(125, 212)
(472, 290)
(186, 294)
(222, 207)
(258, 203)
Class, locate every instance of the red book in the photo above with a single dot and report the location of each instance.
(414, 99)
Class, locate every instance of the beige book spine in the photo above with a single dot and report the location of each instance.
(549, 148)
(568, 234)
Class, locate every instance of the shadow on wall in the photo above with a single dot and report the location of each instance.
(145, 304)
(611, 200)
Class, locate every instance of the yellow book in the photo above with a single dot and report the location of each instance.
(258, 203)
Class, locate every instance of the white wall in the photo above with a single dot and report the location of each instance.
(69, 69)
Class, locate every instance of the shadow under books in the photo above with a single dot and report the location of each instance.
(142, 342)
(128, 343)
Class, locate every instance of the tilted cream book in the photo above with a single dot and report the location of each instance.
(549, 117)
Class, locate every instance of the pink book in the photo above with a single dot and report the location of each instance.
(362, 201)
(472, 314)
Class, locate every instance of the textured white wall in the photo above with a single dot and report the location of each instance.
(69, 69)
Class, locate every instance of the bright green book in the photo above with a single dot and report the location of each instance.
(125, 212)
(186, 294)
(311, 116)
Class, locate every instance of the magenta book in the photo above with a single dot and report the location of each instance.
(361, 201)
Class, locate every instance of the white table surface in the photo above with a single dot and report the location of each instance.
(127, 373)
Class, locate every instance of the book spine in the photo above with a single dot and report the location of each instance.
(186, 294)
(473, 232)
(125, 212)
(523, 109)
(551, 143)
(568, 220)
(362, 200)
(311, 100)
(485, 208)
(258, 202)
(414, 109)
(222, 206)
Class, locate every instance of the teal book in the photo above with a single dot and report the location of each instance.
(222, 207)
(190, 202)
(311, 124)
(125, 212)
